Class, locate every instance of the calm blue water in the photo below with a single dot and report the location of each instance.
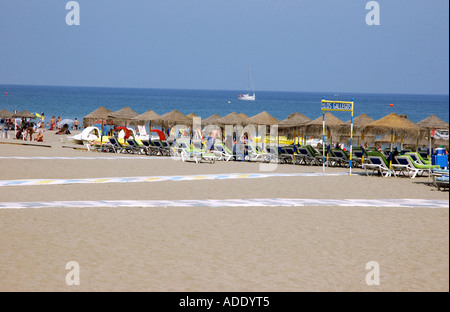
(71, 102)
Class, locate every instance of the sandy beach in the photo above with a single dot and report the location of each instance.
(247, 247)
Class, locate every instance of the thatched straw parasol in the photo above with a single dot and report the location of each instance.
(358, 129)
(399, 125)
(23, 114)
(392, 123)
(315, 127)
(358, 124)
(230, 119)
(243, 115)
(123, 115)
(210, 120)
(294, 120)
(175, 117)
(192, 115)
(387, 139)
(5, 114)
(141, 119)
(263, 118)
(292, 124)
(100, 113)
(432, 122)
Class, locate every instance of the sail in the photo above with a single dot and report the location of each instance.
(248, 97)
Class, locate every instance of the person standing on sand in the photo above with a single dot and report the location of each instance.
(76, 123)
(42, 120)
(58, 126)
(52, 123)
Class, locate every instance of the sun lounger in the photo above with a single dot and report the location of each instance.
(163, 148)
(149, 148)
(119, 148)
(418, 158)
(358, 154)
(440, 178)
(136, 148)
(413, 167)
(286, 154)
(377, 163)
(266, 156)
(222, 152)
(304, 156)
(193, 154)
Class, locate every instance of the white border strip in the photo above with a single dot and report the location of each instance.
(83, 158)
(35, 182)
(256, 202)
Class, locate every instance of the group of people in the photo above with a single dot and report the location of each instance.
(27, 127)
(57, 125)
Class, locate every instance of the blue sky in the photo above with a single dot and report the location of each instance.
(290, 45)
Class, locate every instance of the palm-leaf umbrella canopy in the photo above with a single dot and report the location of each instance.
(263, 118)
(392, 122)
(123, 115)
(315, 127)
(358, 124)
(5, 114)
(210, 120)
(432, 122)
(141, 119)
(100, 113)
(243, 115)
(230, 119)
(294, 120)
(175, 117)
(387, 139)
(23, 114)
(192, 115)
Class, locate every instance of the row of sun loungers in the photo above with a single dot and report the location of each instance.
(411, 164)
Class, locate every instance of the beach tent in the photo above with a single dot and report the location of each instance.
(395, 125)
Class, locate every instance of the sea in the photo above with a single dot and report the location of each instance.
(77, 102)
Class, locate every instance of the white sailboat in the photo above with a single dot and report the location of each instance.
(248, 97)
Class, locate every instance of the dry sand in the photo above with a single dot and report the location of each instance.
(319, 248)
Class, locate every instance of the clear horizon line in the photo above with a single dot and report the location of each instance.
(194, 89)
